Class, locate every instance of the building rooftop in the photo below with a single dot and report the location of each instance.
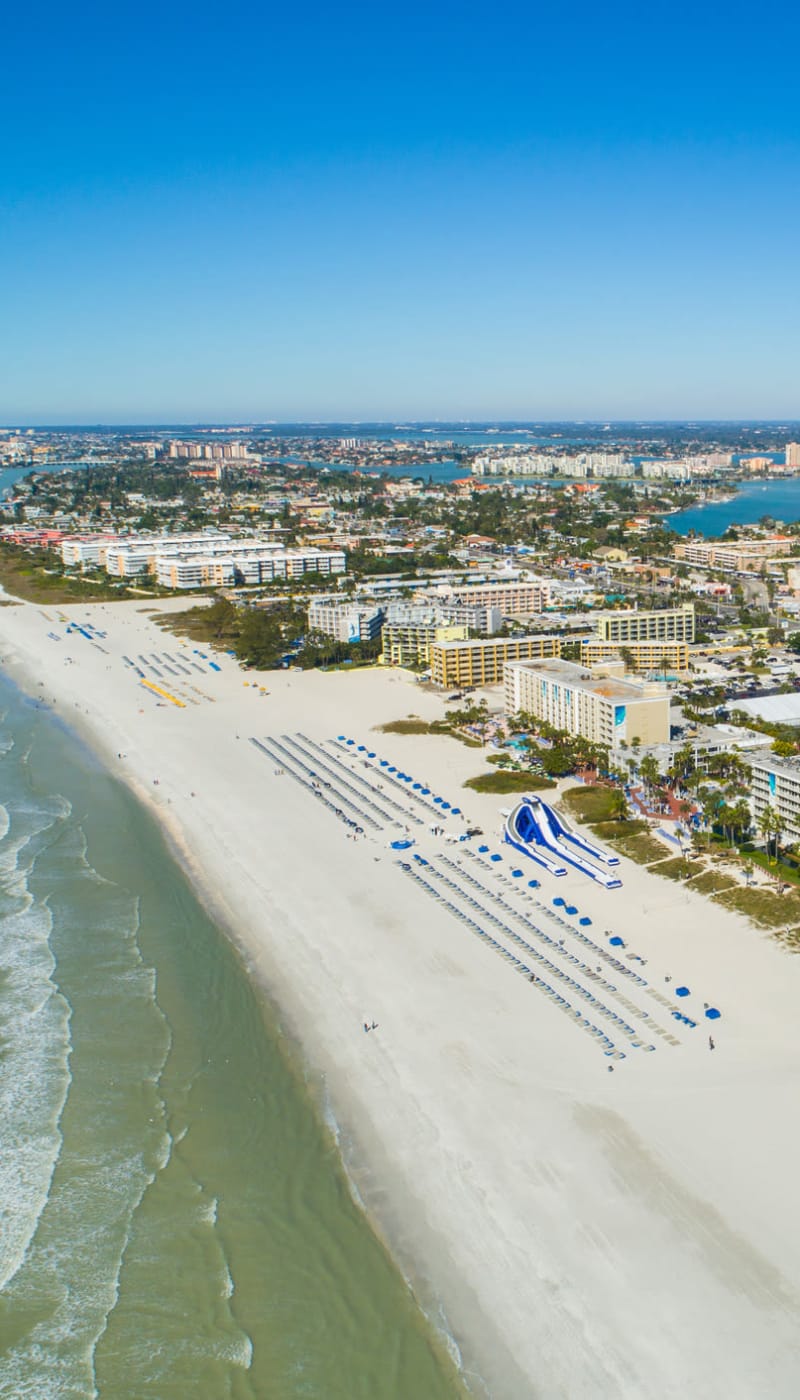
(776, 709)
(570, 673)
(500, 641)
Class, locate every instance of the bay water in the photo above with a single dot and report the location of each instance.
(778, 498)
(175, 1220)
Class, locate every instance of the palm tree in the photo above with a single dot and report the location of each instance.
(770, 825)
(649, 773)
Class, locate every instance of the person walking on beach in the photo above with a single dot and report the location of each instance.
(711, 1045)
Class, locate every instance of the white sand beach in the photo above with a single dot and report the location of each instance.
(579, 1232)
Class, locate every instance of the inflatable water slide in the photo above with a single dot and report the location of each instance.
(537, 830)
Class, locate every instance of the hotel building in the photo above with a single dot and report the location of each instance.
(410, 643)
(647, 656)
(632, 625)
(466, 663)
(603, 709)
(513, 599)
(775, 783)
(347, 622)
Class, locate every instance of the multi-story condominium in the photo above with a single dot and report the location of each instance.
(206, 451)
(86, 551)
(347, 622)
(512, 464)
(411, 643)
(460, 663)
(242, 562)
(633, 625)
(748, 556)
(514, 599)
(137, 554)
(646, 656)
(188, 561)
(667, 470)
(775, 783)
(793, 454)
(599, 708)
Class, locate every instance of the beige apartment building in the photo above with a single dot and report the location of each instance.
(747, 556)
(647, 656)
(514, 599)
(635, 625)
(603, 709)
(464, 663)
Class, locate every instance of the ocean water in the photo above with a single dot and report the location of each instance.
(779, 498)
(175, 1221)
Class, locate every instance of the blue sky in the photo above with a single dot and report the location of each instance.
(355, 211)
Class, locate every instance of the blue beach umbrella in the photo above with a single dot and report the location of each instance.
(713, 1014)
(585, 921)
(370, 755)
(351, 741)
(533, 884)
(456, 811)
(417, 787)
(516, 874)
(496, 857)
(557, 899)
(426, 792)
(341, 738)
(362, 748)
(570, 909)
(483, 849)
(681, 991)
(616, 942)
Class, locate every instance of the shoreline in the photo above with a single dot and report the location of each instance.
(575, 1226)
(347, 1135)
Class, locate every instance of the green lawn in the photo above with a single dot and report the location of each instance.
(764, 907)
(591, 804)
(711, 882)
(642, 848)
(508, 782)
(677, 868)
(39, 579)
(405, 726)
(614, 831)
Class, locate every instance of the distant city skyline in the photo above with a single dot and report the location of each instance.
(443, 213)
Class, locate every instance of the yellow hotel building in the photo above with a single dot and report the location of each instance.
(481, 662)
